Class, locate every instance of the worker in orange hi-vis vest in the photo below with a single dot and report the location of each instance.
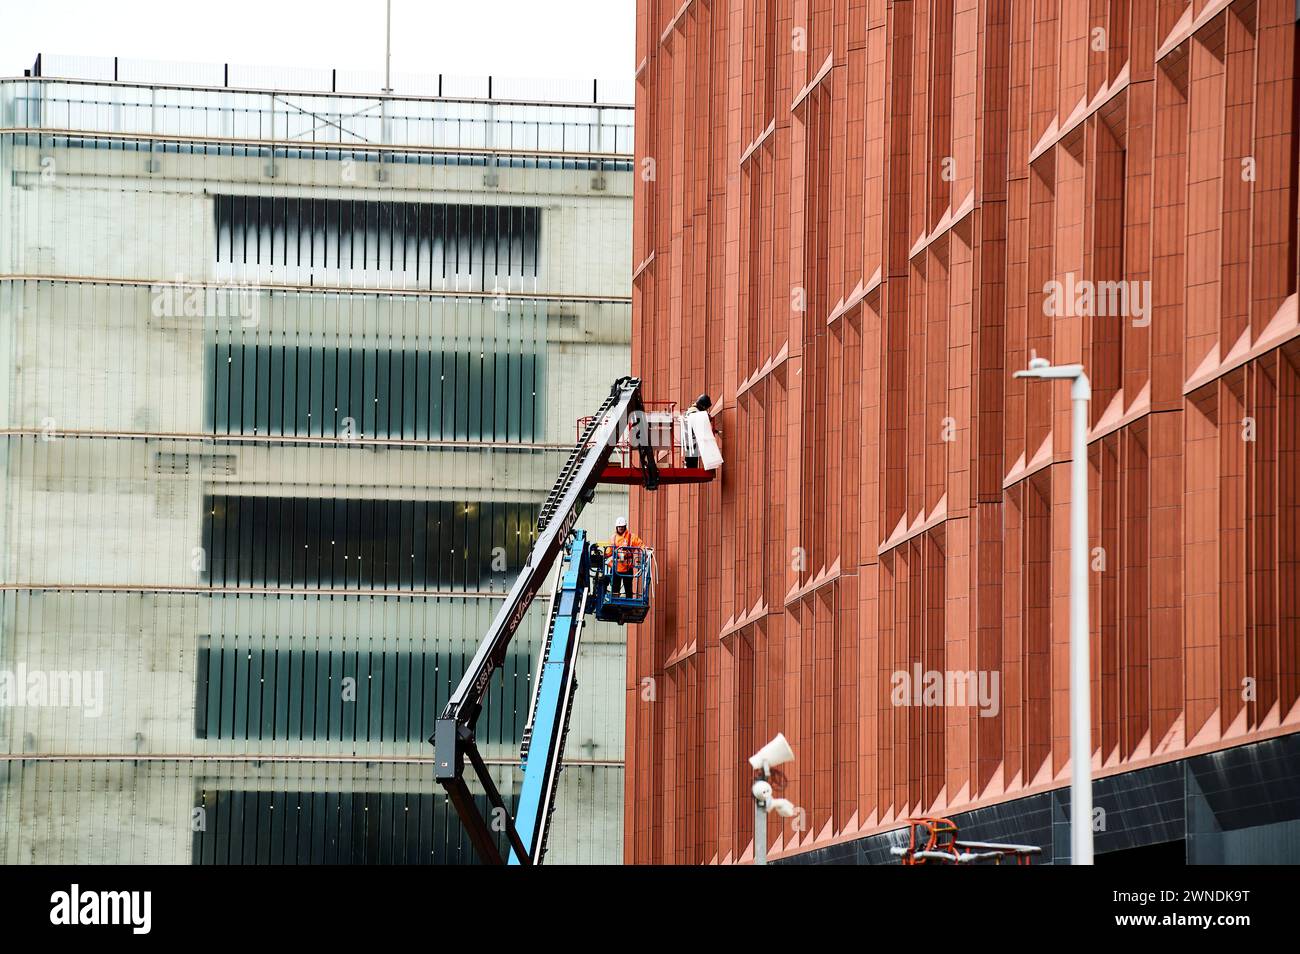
(623, 561)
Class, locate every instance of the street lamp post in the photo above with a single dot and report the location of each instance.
(777, 752)
(1080, 685)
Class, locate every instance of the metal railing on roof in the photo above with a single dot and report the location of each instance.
(226, 110)
(348, 82)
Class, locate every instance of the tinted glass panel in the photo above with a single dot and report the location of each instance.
(373, 544)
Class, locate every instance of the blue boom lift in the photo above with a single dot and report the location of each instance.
(583, 586)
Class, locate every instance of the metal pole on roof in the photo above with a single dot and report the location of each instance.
(388, 70)
(388, 48)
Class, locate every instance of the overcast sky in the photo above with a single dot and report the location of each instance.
(517, 38)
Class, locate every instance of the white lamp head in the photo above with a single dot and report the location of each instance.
(777, 752)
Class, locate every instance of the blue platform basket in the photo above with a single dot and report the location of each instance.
(623, 588)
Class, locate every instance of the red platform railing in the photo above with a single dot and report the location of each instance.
(665, 432)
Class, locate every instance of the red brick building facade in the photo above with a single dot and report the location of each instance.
(849, 218)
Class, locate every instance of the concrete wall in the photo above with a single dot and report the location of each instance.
(107, 460)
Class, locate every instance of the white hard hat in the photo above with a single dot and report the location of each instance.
(620, 522)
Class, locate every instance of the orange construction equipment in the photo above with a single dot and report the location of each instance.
(934, 840)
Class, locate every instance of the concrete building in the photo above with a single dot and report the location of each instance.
(286, 373)
(855, 220)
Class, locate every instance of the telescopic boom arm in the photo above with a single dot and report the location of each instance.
(453, 737)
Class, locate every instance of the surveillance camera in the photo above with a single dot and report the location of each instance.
(777, 752)
(783, 807)
(1036, 364)
(762, 790)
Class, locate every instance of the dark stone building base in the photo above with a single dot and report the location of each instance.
(1237, 806)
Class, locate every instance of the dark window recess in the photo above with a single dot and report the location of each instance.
(331, 828)
(432, 242)
(370, 544)
(252, 689)
(399, 394)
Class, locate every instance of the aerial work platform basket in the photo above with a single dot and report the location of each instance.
(683, 450)
(623, 583)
